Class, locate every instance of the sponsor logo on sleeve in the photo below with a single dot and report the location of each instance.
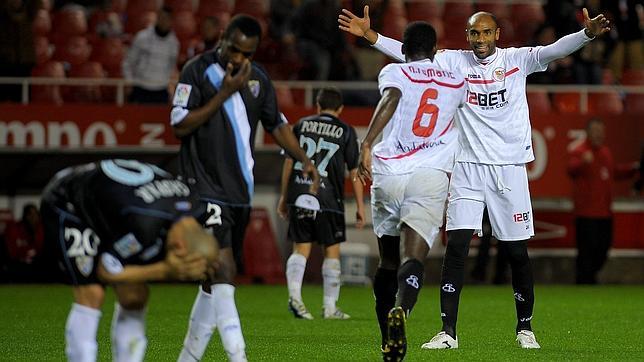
(181, 95)
(127, 246)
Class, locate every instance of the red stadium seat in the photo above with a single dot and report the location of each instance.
(49, 94)
(506, 39)
(257, 8)
(85, 93)
(458, 10)
(539, 103)
(633, 77)
(394, 26)
(101, 22)
(119, 6)
(75, 50)
(608, 78)
(567, 102)
(184, 24)
(499, 9)
(138, 22)
(528, 12)
(110, 53)
(634, 104)
(42, 22)
(214, 7)
(135, 7)
(43, 49)
(437, 23)
(180, 5)
(284, 97)
(423, 10)
(526, 18)
(69, 22)
(605, 103)
(396, 8)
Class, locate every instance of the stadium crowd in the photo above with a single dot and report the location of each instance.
(301, 40)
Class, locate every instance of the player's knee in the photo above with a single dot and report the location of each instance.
(133, 298)
(458, 243)
(517, 251)
(90, 295)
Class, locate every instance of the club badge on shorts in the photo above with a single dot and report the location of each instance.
(85, 264)
(253, 85)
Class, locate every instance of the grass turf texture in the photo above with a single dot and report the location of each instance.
(571, 323)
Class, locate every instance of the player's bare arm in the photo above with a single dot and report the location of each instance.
(357, 26)
(384, 111)
(231, 84)
(358, 193)
(284, 136)
(174, 267)
(282, 210)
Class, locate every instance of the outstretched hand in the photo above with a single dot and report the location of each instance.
(597, 25)
(352, 24)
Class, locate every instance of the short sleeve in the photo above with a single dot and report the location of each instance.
(351, 151)
(270, 116)
(527, 58)
(188, 93)
(390, 77)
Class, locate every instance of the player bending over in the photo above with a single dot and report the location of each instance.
(123, 223)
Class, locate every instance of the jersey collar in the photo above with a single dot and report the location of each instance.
(487, 60)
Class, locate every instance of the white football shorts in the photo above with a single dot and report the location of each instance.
(503, 188)
(416, 199)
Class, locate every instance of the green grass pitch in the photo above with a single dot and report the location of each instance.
(571, 323)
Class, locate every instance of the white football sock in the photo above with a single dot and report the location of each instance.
(331, 282)
(80, 333)
(295, 267)
(128, 334)
(228, 322)
(202, 325)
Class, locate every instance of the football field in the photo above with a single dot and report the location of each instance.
(571, 323)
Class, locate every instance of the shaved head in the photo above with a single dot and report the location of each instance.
(480, 16)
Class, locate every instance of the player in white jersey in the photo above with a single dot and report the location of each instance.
(410, 168)
(495, 143)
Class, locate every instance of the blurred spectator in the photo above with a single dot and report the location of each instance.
(111, 26)
(369, 60)
(590, 59)
(560, 70)
(210, 31)
(320, 43)
(593, 171)
(151, 60)
(479, 272)
(281, 13)
(24, 241)
(627, 17)
(17, 51)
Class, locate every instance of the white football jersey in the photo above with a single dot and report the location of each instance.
(421, 132)
(495, 121)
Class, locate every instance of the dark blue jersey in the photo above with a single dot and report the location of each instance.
(332, 145)
(219, 154)
(128, 204)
